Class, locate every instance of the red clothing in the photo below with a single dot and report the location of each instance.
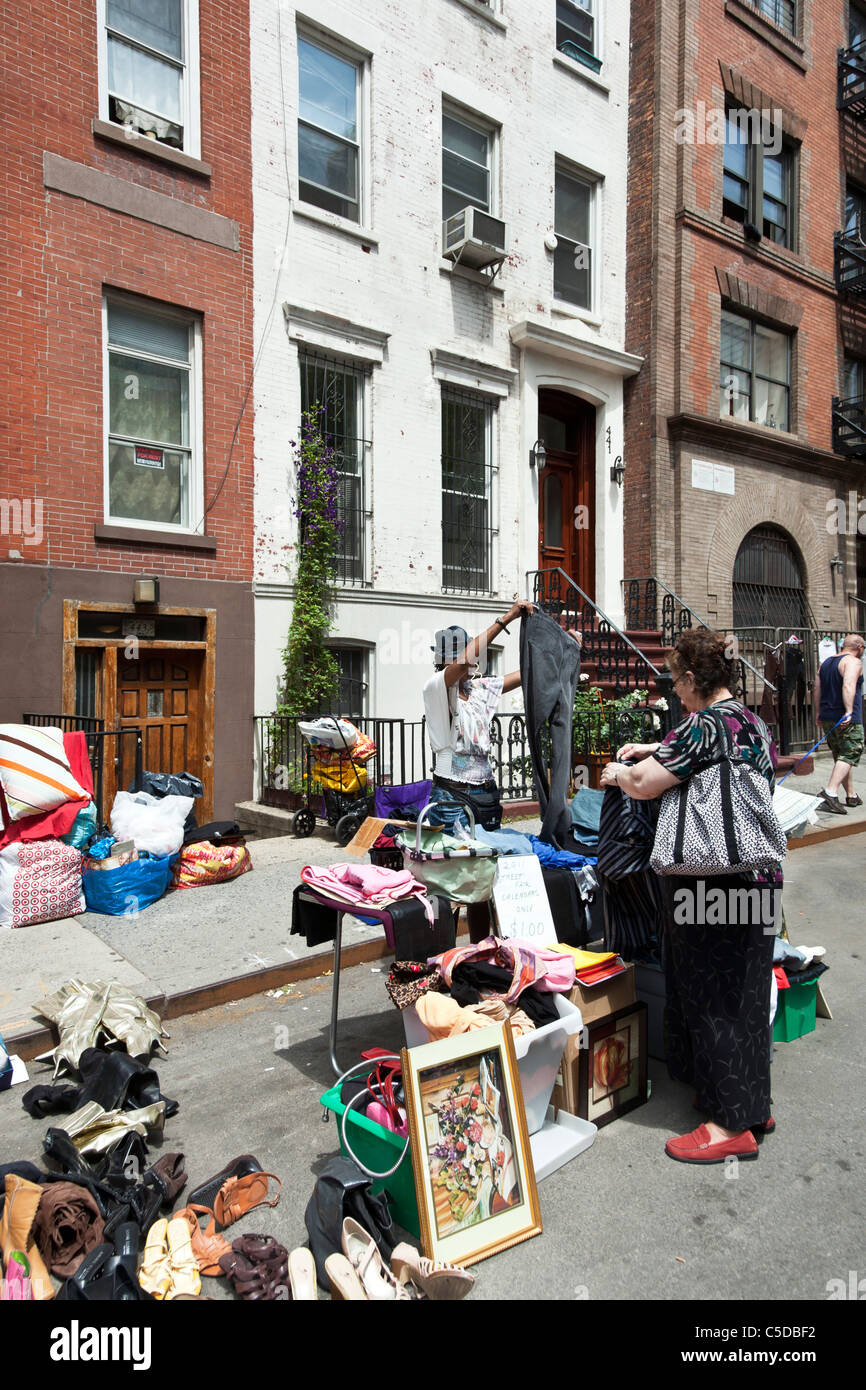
(50, 825)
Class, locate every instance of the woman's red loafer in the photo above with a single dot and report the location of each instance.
(699, 1147)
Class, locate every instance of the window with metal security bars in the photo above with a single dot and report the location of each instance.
(755, 373)
(781, 12)
(768, 582)
(337, 390)
(467, 487)
(351, 696)
(88, 668)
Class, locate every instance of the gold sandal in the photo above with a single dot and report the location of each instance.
(185, 1277)
(155, 1273)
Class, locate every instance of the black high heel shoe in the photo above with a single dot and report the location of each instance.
(109, 1273)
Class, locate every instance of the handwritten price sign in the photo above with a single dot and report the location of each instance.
(522, 907)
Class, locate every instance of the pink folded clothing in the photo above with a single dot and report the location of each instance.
(366, 884)
(548, 971)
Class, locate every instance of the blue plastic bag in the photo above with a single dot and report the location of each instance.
(124, 891)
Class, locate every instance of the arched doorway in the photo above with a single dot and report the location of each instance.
(769, 584)
(566, 487)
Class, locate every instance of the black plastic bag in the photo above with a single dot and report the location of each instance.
(342, 1190)
(171, 784)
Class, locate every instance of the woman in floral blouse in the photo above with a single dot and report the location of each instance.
(717, 946)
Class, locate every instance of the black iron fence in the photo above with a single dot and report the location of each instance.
(617, 660)
(792, 712)
(115, 755)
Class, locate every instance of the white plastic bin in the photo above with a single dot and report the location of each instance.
(538, 1055)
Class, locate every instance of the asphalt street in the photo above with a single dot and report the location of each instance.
(621, 1221)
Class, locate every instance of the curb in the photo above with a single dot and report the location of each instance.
(43, 1038)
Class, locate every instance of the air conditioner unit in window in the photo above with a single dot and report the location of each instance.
(474, 238)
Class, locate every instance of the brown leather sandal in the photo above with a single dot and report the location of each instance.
(258, 1267)
(207, 1245)
(237, 1196)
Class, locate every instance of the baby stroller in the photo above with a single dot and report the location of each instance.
(339, 754)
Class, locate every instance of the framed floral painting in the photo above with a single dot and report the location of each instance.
(613, 1066)
(471, 1158)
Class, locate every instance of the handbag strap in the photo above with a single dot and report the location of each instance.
(725, 781)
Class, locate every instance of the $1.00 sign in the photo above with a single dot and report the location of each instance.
(522, 907)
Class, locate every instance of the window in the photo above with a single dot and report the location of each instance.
(576, 31)
(466, 165)
(781, 12)
(150, 65)
(153, 414)
(855, 210)
(467, 471)
(329, 149)
(572, 259)
(758, 178)
(351, 696)
(338, 389)
(755, 372)
(853, 379)
(856, 26)
(768, 582)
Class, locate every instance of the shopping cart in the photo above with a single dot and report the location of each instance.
(339, 754)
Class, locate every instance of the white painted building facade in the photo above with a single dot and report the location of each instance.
(359, 114)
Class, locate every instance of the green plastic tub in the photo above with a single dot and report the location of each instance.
(378, 1148)
(795, 1015)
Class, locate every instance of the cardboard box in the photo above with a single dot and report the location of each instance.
(368, 833)
(594, 1002)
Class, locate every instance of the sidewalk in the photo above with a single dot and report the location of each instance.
(200, 948)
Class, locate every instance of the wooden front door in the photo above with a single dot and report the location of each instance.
(162, 694)
(566, 489)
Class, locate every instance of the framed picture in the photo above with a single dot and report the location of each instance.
(471, 1159)
(613, 1065)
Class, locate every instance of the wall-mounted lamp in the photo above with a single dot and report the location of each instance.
(145, 591)
(538, 455)
(617, 470)
(837, 563)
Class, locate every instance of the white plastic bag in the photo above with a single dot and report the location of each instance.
(329, 732)
(154, 823)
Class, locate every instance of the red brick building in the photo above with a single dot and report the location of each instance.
(127, 452)
(743, 168)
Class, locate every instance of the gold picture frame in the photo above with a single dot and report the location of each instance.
(471, 1158)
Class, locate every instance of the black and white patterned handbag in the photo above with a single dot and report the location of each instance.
(721, 821)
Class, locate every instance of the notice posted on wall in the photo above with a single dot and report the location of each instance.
(521, 902)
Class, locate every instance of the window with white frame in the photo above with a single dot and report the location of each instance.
(467, 164)
(467, 485)
(573, 224)
(576, 31)
(335, 390)
(755, 372)
(150, 65)
(329, 129)
(153, 447)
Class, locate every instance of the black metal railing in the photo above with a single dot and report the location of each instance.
(668, 614)
(790, 709)
(849, 261)
(285, 759)
(857, 613)
(117, 750)
(851, 81)
(617, 660)
(849, 426)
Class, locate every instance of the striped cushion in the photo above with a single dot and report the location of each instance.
(34, 771)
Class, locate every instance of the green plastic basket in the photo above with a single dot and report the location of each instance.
(378, 1148)
(795, 1015)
